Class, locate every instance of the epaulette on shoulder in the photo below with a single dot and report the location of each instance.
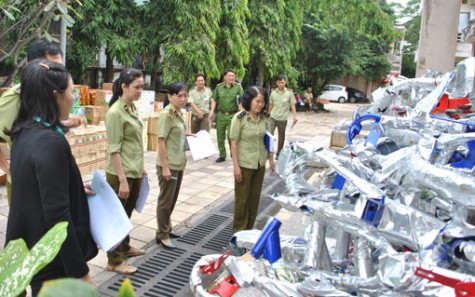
(220, 84)
(290, 90)
(172, 113)
(236, 83)
(241, 114)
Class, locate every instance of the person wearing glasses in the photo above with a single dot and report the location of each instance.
(125, 162)
(249, 156)
(48, 187)
(171, 160)
(227, 99)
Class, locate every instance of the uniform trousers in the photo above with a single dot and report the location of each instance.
(116, 257)
(9, 192)
(223, 126)
(281, 126)
(247, 195)
(198, 124)
(169, 191)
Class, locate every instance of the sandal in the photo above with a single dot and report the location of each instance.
(122, 268)
(134, 252)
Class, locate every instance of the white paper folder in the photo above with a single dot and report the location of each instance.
(109, 221)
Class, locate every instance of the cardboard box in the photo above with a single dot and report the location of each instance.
(102, 112)
(152, 125)
(93, 114)
(152, 143)
(338, 139)
(102, 97)
(82, 92)
(92, 96)
(89, 145)
(107, 86)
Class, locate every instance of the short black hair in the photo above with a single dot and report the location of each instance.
(280, 77)
(174, 89)
(251, 93)
(38, 49)
(200, 75)
(228, 70)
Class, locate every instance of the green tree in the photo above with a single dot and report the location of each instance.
(232, 43)
(274, 38)
(413, 26)
(186, 31)
(345, 36)
(22, 22)
(113, 24)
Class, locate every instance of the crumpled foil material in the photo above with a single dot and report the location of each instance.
(379, 212)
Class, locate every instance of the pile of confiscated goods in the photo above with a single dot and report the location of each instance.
(394, 214)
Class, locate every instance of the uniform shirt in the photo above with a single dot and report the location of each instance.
(124, 136)
(309, 97)
(201, 99)
(281, 102)
(9, 108)
(171, 126)
(227, 98)
(250, 133)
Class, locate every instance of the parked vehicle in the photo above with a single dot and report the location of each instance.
(354, 95)
(334, 93)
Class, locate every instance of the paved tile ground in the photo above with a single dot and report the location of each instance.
(205, 183)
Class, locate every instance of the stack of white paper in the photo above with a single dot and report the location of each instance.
(109, 221)
(201, 145)
(144, 191)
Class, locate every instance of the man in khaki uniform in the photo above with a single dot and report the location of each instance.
(227, 97)
(309, 98)
(281, 100)
(199, 100)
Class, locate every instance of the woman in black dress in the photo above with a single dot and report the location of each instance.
(47, 186)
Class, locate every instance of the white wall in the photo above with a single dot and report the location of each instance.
(438, 36)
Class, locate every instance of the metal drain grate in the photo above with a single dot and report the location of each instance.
(195, 235)
(221, 240)
(163, 272)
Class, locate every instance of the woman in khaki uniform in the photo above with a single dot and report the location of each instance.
(125, 163)
(171, 160)
(249, 156)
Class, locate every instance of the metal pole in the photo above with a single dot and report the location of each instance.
(62, 39)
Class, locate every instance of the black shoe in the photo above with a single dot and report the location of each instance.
(173, 235)
(167, 244)
(220, 159)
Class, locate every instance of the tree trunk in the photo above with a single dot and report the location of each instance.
(260, 73)
(154, 75)
(109, 72)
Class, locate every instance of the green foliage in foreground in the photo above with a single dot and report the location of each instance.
(18, 265)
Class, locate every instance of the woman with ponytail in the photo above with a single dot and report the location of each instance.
(125, 162)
